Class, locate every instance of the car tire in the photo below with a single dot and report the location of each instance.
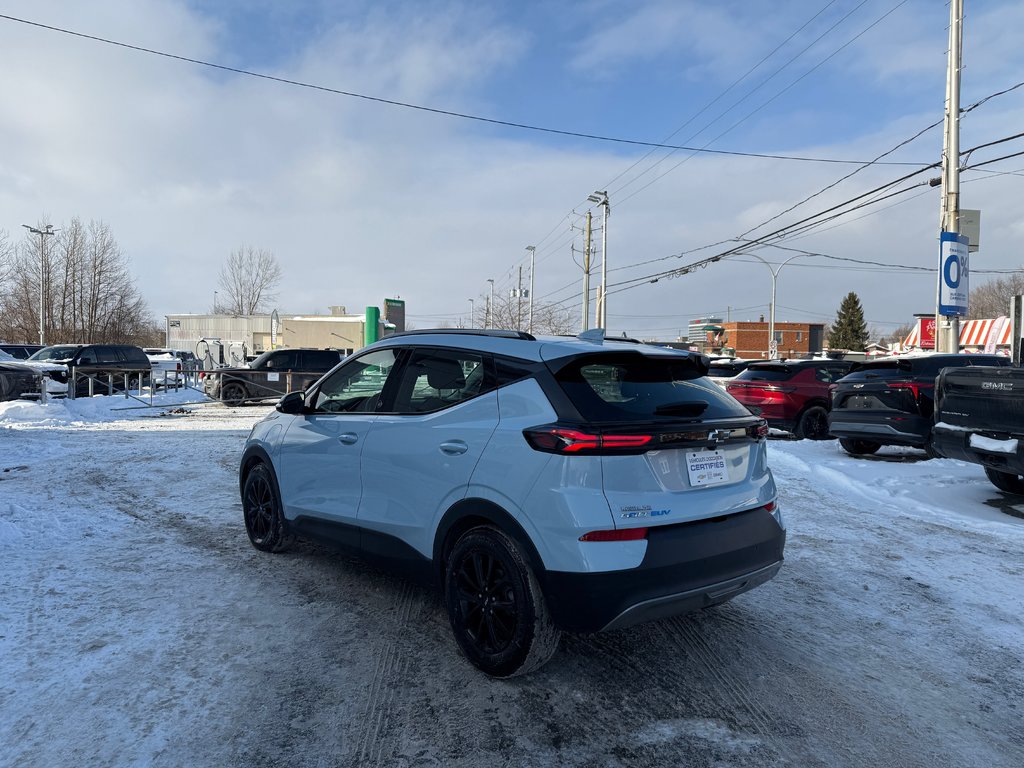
(856, 447)
(813, 424)
(232, 394)
(261, 509)
(1005, 481)
(495, 605)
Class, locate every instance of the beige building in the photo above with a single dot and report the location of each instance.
(246, 336)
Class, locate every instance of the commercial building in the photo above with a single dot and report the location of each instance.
(234, 338)
(749, 339)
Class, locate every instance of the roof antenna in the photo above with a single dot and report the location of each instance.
(594, 335)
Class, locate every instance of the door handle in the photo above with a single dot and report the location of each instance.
(348, 438)
(454, 447)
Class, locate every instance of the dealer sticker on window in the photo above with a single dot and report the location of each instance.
(706, 467)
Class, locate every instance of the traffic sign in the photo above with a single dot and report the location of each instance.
(773, 348)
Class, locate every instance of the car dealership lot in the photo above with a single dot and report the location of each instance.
(138, 626)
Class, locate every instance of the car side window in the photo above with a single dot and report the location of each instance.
(823, 374)
(357, 386)
(282, 361)
(436, 379)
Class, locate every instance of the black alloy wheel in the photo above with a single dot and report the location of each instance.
(261, 509)
(232, 394)
(813, 424)
(856, 447)
(1005, 481)
(495, 606)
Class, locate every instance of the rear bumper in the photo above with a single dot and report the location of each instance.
(687, 566)
(885, 428)
(956, 444)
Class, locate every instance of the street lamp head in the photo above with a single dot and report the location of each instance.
(531, 247)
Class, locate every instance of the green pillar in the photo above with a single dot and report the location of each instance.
(371, 329)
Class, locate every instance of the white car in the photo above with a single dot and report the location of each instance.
(545, 484)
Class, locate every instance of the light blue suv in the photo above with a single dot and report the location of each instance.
(545, 484)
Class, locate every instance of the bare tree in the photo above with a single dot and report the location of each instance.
(248, 281)
(548, 319)
(992, 299)
(89, 295)
(6, 258)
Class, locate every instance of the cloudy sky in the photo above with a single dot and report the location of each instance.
(360, 200)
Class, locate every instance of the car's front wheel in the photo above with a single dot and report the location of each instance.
(1005, 481)
(496, 607)
(261, 508)
(859, 447)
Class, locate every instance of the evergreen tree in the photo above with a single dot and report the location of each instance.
(849, 331)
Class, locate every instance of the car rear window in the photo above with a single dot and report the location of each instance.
(631, 387)
(769, 373)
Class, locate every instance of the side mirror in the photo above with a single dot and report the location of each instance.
(293, 403)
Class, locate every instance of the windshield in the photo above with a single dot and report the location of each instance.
(63, 352)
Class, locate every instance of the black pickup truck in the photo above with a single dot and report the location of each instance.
(979, 417)
(271, 375)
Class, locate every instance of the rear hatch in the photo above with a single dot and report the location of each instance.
(763, 385)
(982, 399)
(674, 447)
(883, 387)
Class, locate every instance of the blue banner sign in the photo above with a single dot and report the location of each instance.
(953, 274)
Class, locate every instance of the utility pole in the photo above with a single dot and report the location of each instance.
(471, 320)
(586, 277)
(49, 230)
(533, 268)
(601, 198)
(947, 327)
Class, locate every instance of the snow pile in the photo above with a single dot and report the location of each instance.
(60, 412)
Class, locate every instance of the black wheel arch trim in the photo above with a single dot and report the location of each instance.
(469, 513)
(253, 455)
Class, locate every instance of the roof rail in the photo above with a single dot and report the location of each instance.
(495, 332)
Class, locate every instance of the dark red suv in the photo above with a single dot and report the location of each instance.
(792, 395)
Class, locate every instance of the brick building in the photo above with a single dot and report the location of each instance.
(750, 339)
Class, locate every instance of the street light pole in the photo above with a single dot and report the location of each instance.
(215, 302)
(771, 308)
(601, 198)
(471, 312)
(489, 320)
(49, 230)
(533, 263)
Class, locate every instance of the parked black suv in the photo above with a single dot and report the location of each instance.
(106, 364)
(891, 401)
(270, 375)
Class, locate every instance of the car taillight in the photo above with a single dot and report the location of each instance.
(914, 388)
(622, 534)
(177, 367)
(572, 441)
(759, 431)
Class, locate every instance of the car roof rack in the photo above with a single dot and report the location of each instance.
(499, 333)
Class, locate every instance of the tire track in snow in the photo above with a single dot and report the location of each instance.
(689, 637)
(378, 743)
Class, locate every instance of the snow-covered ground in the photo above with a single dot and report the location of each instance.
(138, 627)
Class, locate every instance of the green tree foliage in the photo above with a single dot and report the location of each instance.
(849, 331)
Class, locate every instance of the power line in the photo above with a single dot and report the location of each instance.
(431, 110)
